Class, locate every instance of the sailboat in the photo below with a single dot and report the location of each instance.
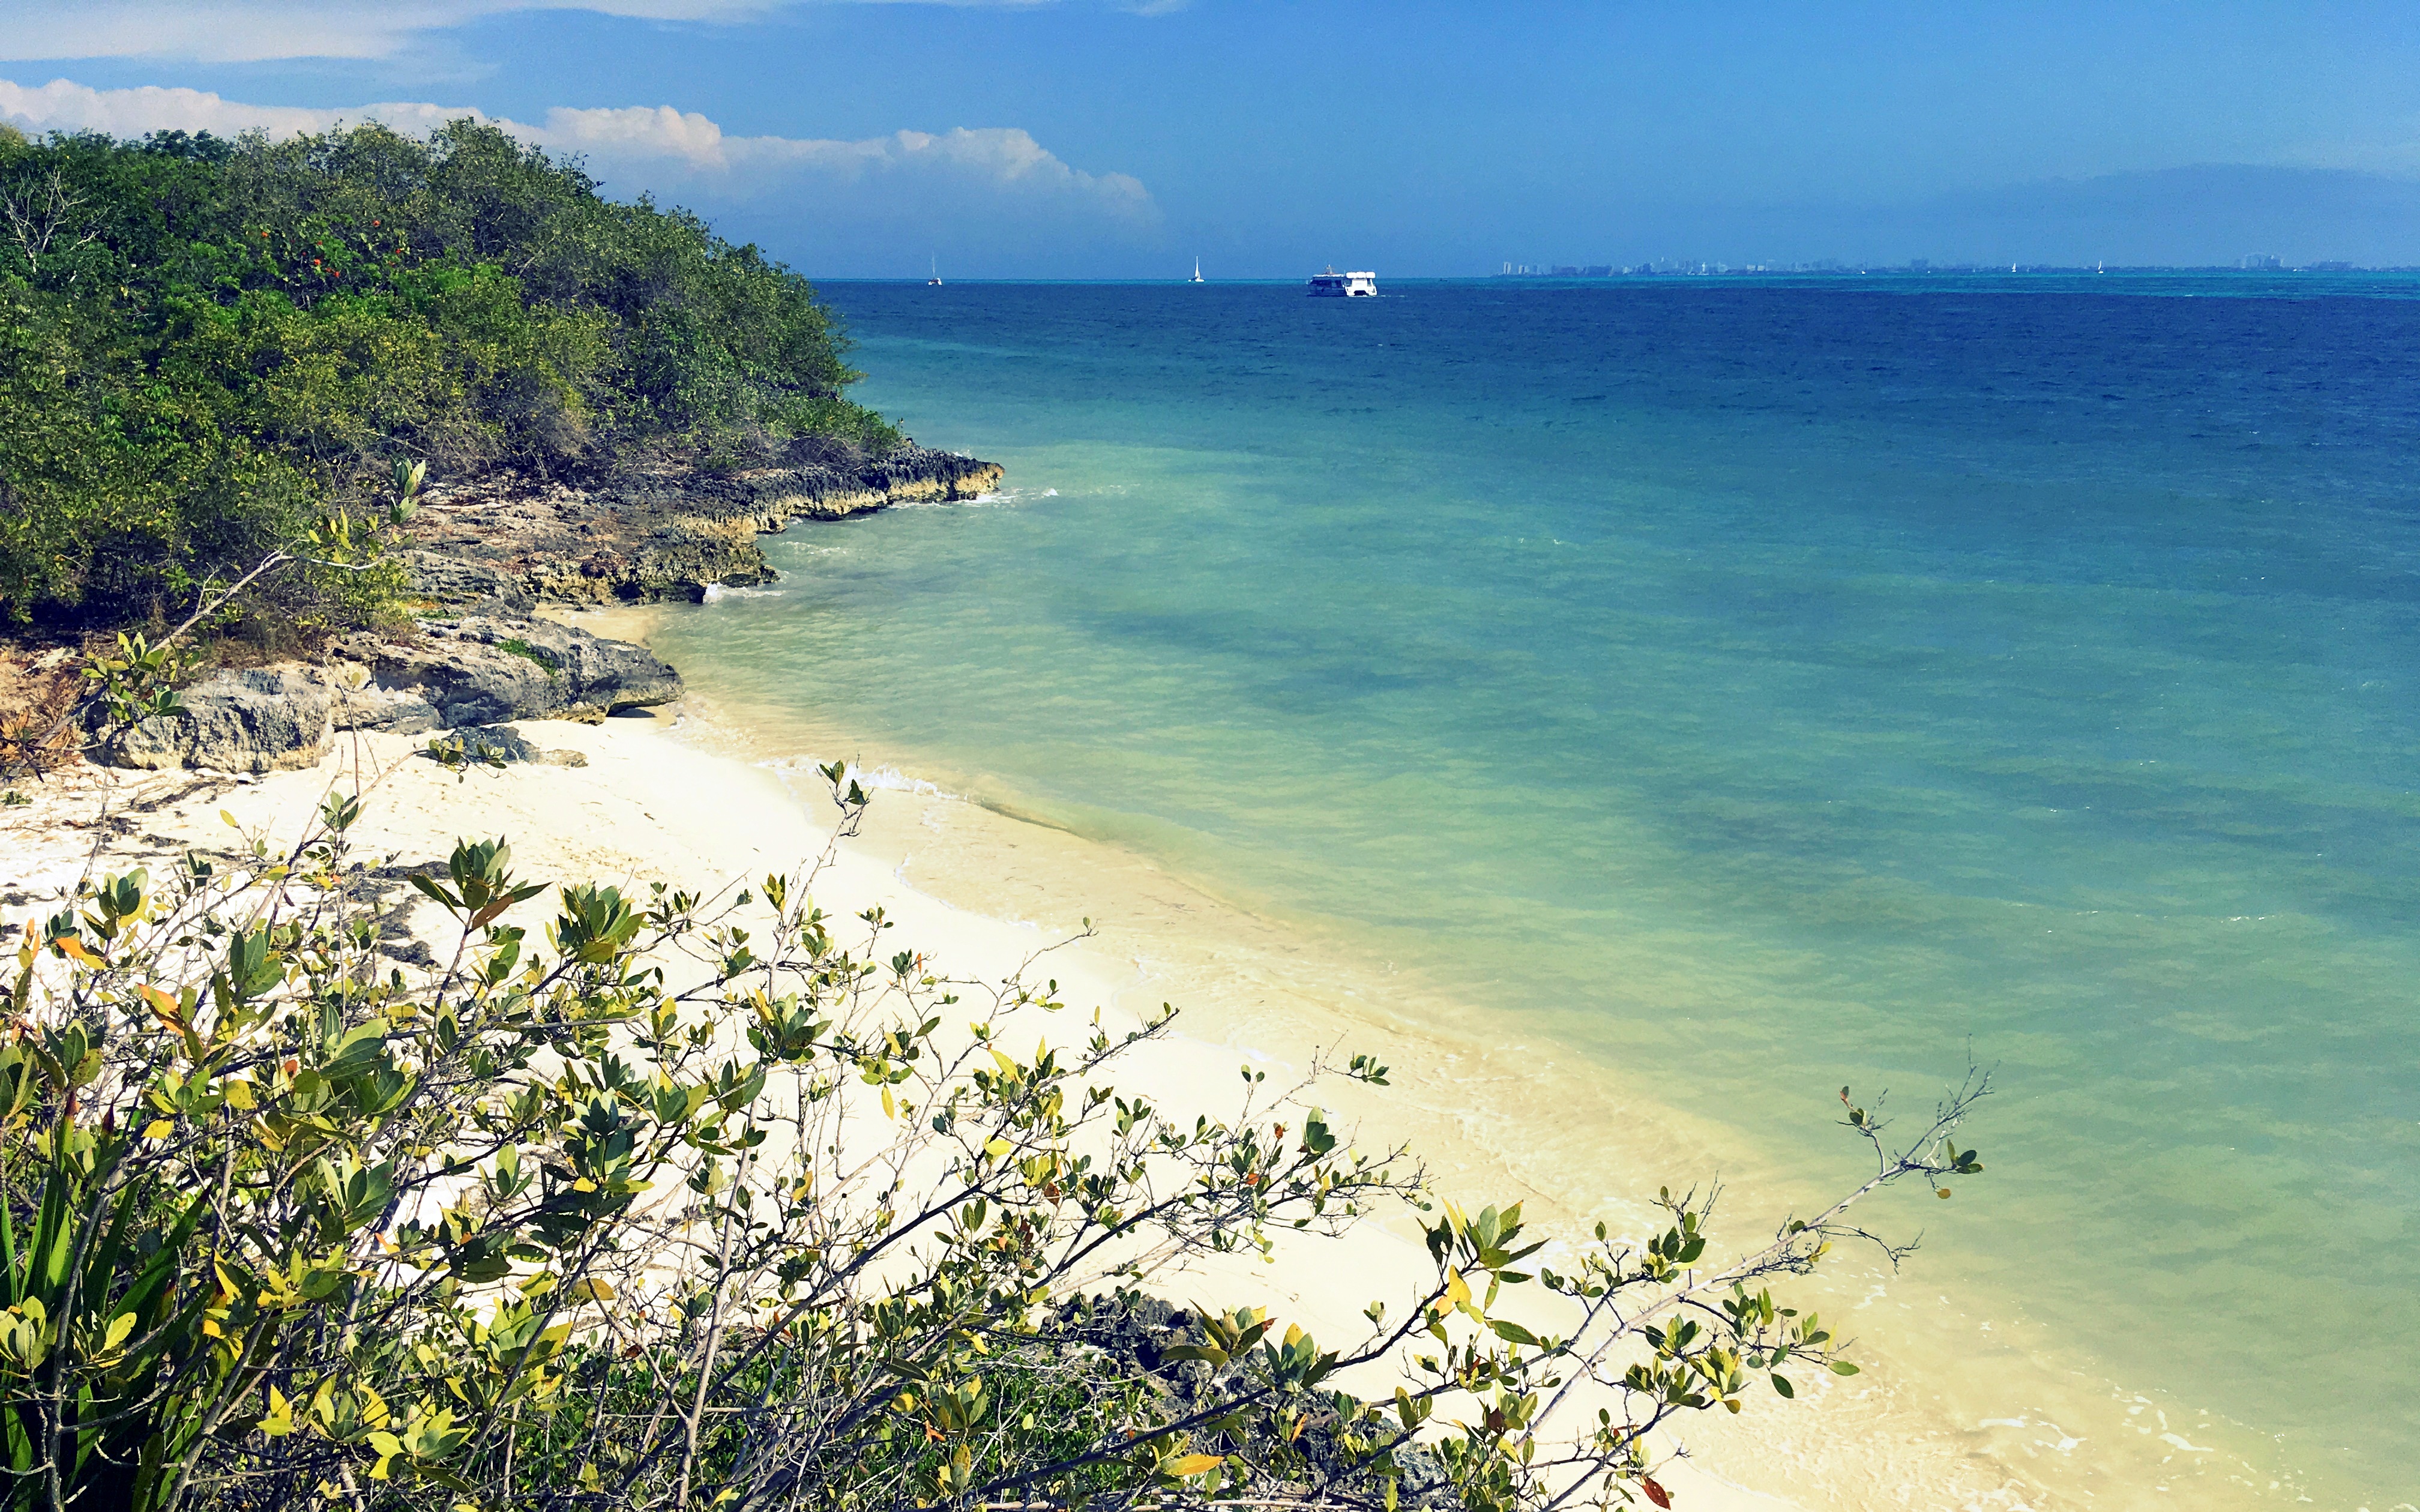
(935, 282)
(1197, 271)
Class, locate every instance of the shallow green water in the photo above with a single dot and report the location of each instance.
(1754, 689)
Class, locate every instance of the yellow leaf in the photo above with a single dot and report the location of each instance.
(888, 1109)
(280, 1421)
(158, 1129)
(239, 1093)
(1457, 1290)
(998, 1147)
(1194, 1464)
(162, 1005)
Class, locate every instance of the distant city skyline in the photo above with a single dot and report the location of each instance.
(1088, 139)
(1700, 267)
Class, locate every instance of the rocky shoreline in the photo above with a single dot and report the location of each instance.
(644, 533)
(486, 554)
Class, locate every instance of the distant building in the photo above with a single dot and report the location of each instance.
(2261, 262)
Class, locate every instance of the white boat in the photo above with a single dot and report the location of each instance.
(935, 282)
(1197, 271)
(1334, 284)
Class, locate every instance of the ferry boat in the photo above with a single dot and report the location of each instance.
(1334, 284)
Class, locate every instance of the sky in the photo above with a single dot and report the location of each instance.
(1087, 138)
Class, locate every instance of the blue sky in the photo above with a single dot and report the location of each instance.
(1089, 139)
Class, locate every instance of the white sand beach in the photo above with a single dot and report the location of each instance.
(982, 894)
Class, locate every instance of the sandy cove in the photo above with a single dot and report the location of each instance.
(648, 806)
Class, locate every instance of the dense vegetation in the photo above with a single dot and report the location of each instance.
(210, 349)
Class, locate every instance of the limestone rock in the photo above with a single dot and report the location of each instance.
(358, 703)
(466, 586)
(476, 671)
(506, 744)
(260, 720)
(483, 671)
(653, 529)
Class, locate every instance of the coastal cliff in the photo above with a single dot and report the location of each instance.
(652, 531)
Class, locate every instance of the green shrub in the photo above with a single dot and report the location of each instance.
(206, 345)
(678, 1206)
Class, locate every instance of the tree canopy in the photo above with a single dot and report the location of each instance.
(205, 344)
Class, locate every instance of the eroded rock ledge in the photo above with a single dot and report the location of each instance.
(459, 674)
(508, 542)
(485, 553)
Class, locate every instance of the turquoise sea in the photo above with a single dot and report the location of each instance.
(1750, 687)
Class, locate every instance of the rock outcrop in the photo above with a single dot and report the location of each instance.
(648, 532)
(485, 553)
(258, 720)
(454, 675)
(505, 746)
(467, 588)
(483, 671)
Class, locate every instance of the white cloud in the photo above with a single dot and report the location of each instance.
(993, 193)
(246, 31)
(739, 167)
(64, 106)
(658, 148)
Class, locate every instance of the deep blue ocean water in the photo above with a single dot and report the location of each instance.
(1754, 687)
